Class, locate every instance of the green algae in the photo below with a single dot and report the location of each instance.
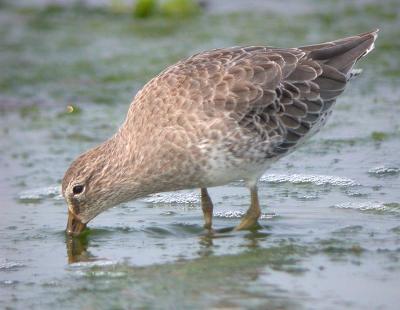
(180, 8)
(379, 136)
(144, 8)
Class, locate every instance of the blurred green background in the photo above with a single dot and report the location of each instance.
(103, 51)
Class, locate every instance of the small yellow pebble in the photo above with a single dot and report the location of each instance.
(70, 109)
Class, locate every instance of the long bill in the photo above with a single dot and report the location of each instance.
(74, 225)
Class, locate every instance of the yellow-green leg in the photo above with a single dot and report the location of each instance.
(253, 213)
(207, 207)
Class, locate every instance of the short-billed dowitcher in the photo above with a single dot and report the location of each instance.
(213, 118)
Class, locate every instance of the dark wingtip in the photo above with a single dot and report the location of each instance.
(372, 34)
(343, 53)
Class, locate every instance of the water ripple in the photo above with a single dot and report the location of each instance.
(384, 171)
(9, 265)
(38, 194)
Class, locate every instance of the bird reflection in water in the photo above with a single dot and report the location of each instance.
(77, 249)
(252, 238)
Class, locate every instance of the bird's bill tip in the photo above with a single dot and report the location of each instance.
(74, 226)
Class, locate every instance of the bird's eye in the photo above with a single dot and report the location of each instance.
(77, 189)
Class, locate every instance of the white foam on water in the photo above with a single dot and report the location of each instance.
(37, 194)
(308, 178)
(84, 269)
(8, 282)
(95, 263)
(309, 197)
(369, 206)
(8, 265)
(173, 198)
(108, 274)
(240, 214)
(384, 170)
(100, 273)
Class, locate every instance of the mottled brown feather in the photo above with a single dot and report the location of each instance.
(216, 117)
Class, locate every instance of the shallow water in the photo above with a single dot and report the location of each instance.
(330, 230)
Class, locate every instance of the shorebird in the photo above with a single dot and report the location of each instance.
(213, 118)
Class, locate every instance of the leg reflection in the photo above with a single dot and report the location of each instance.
(206, 244)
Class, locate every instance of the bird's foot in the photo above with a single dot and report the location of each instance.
(248, 223)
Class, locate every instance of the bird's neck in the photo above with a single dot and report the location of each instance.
(127, 162)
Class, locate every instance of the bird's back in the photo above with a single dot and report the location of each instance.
(246, 104)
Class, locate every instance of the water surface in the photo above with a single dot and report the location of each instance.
(330, 230)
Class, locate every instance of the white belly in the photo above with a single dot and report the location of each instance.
(223, 168)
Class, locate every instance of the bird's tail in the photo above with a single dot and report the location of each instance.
(342, 54)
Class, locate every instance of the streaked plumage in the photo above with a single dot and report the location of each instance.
(213, 118)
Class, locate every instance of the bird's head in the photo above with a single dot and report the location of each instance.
(92, 184)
